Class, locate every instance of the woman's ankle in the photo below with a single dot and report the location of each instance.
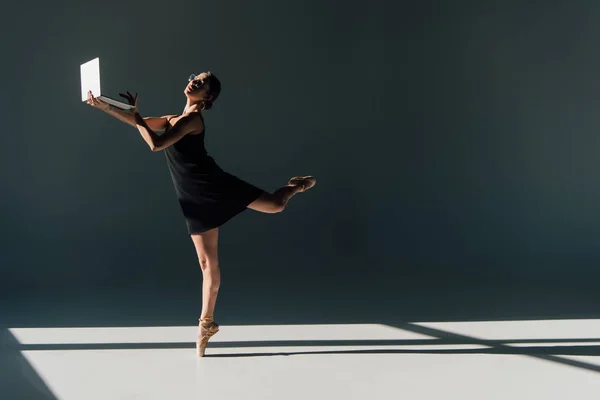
(206, 319)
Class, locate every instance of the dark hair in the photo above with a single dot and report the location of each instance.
(214, 90)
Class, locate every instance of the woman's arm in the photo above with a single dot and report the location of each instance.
(185, 125)
(119, 114)
(155, 123)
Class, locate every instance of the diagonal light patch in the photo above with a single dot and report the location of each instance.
(309, 338)
(515, 330)
(229, 333)
(67, 357)
(335, 361)
(576, 340)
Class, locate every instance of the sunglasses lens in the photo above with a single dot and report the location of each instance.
(191, 78)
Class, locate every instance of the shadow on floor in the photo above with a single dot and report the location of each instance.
(256, 304)
(18, 380)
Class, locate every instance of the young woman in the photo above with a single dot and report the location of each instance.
(208, 196)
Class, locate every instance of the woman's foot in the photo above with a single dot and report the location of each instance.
(206, 329)
(304, 182)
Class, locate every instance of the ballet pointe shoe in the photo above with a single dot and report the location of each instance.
(207, 329)
(305, 182)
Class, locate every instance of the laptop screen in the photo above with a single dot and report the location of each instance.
(90, 78)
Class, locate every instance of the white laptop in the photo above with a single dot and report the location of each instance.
(90, 80)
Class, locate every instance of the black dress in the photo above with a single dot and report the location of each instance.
(208, 196)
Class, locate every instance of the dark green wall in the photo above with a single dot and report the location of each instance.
(450, 139)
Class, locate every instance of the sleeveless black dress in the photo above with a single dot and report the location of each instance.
(208, 196)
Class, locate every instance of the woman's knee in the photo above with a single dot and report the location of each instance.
(208, 263)
(268, 203)
(278, 206)
(277, 202)
(206, 249)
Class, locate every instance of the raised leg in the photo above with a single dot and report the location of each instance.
(277, 201)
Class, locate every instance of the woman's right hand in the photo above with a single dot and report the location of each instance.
(132, 100)
(94, 102)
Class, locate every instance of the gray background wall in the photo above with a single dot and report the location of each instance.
(455, 143)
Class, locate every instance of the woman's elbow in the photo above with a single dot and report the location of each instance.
(156, 146)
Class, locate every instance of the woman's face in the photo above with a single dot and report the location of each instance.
(197, 87)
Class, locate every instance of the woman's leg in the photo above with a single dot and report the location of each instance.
(276, 202)
(207, 249)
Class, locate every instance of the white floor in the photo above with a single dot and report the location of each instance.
(319, 361)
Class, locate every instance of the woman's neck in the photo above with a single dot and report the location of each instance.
(192, 107)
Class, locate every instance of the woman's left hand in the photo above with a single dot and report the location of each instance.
(132, 100)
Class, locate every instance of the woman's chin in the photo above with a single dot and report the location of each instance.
(190, 95)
